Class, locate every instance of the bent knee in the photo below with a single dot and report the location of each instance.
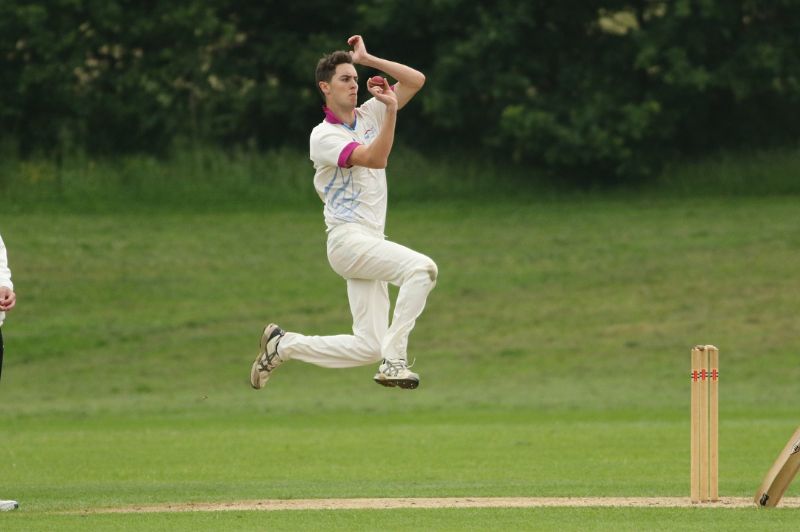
(426, 272)
(433, 271)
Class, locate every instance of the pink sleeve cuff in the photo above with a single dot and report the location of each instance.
(345, 154)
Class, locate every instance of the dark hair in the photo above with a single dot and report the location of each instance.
(326, 67)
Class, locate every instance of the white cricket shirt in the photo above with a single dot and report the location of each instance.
(5, 273)
(352, 194)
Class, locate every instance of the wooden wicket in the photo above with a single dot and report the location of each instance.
(705, 424)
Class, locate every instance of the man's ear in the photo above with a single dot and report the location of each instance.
(325, 87)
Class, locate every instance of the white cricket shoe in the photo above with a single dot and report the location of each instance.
(396, 373)
(268, 359)
(7, 506)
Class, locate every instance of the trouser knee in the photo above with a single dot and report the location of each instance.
(425, 273)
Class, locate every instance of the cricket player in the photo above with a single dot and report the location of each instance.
(350, 150)
(7, 301)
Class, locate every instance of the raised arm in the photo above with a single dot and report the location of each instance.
(376, 153)
(409, 80)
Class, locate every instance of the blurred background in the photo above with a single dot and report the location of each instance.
(591, 93)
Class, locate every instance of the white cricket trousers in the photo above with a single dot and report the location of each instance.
(368, 262)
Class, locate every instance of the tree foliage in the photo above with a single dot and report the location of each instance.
(593, 90)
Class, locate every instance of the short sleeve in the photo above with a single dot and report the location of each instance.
(330, 147)
(5, 273)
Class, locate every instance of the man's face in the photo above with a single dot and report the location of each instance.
(343, 87)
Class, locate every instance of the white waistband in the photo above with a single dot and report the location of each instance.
(355, 227)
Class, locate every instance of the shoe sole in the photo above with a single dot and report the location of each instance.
(255, 377)
(254, 373)
(406, 384)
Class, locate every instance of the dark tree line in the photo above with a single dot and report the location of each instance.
(595, 89)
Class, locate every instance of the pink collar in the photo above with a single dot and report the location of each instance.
(330, 117)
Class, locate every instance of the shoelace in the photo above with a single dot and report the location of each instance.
(394, 367)
(265, 364)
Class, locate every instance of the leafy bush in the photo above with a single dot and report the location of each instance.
(594, 91)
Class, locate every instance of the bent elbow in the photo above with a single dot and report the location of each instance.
(377, 161)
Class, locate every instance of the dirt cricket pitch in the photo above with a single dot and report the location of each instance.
(447, 502)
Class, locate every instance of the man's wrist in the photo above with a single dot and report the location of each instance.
(368, 60)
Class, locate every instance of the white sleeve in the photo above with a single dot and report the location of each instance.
(5, 273)
(330, 147)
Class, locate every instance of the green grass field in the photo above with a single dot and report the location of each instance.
(554, 356)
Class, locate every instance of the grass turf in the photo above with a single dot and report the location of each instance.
(554, 354)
